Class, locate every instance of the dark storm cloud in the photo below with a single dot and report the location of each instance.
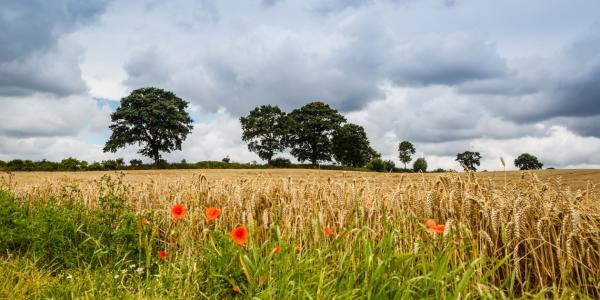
(329, 6)
(32, 26)
(537, 90)
(34, 55)
(433, 59)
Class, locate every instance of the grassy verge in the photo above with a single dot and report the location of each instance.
(60, 248)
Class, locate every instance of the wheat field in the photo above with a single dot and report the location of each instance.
(548, 230)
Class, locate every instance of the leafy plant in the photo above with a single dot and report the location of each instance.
(405, 149)
(527, 161)
(469, 159)
(377, 165)
(266, 130)
(420, 165)
(350, 145)
(281, 162)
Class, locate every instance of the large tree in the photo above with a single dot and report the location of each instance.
(266, 129)
(350, 145)
(526, 161)
(406, 149)
(469, 159)
(153, 118)
(314, 124)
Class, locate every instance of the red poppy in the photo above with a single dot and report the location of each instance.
(276, 249)
(178, 211)
(212, 213)
(261, 279)
(162, 254)
(144, 221)
(435, 228)
(236, 290)
(240, 235)
(297, 247)
(328, 230)
(345, 235)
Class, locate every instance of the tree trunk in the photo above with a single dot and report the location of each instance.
(156, 158)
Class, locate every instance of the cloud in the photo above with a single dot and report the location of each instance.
(548, 89)
(40, 115)
(36, 26)
(269, 3)
(147, 68)
(35, 53)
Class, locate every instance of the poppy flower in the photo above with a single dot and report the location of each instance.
(276, 249)
(297, 247)
(261, 279)
(328, 230)
(236, 290)
(144, 221)
(432, 227)
(178, 211)
(240, 235)
(340, 234)
(212, 213)
(162, 254)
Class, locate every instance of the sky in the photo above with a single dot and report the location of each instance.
(498, 77)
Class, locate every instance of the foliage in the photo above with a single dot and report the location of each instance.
(371, 154)
(281, 162)
(70, 163)
(405, 149)
(313, 125)
(150, 117)
(226, 159)
(526, 161)
(377, 164)
(420, 165)
(389, 165)
(135, 162)
(266, 129)
(2, 164)
(439, 170)
(469, 159)
(120, 162)
(109, 164)
(350, 145)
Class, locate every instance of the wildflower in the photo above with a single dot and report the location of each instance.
(116, 276)
(297, 247)
(140, 270)
(236, 290)
(340, 234)
(261, 279)
(276, 249)
(69, 276)
(435, 228)
(328, 230)
(124, 271)
(178, 211)
(144, 221)
(212, 213)
(240, 235)
(132, 266)
(162, 254)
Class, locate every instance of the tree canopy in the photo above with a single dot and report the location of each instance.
(350, 145)
(420, 164)
(313, 126)
(152, 118)
(266, 129)
(406, 149)
(469, 159)
(526, 161)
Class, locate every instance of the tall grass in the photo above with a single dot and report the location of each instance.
(531, 239)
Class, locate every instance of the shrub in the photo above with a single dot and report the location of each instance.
(135, 162)
(440, 170)
(109, 164)
(420, 164)
(389, 165)
(281, 162)
(377, 165)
